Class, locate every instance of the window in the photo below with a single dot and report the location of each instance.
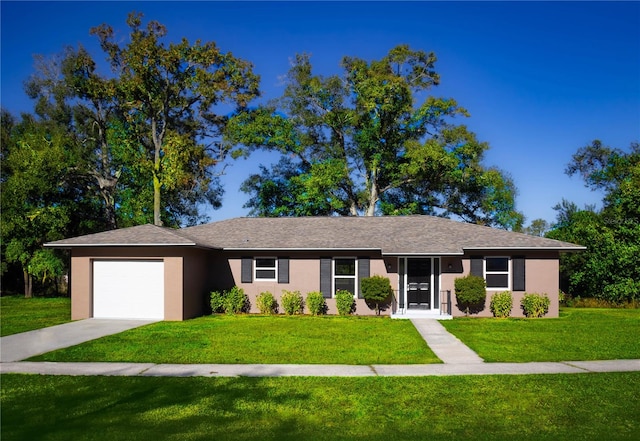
(496, 272)
(266, 268)
(344, 275)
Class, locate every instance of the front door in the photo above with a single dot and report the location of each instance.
(419, 284)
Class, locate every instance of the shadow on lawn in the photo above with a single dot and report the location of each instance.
(151, 409)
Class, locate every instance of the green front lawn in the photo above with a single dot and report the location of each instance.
(532, 407)
(260, 339)
(578, 334)
(18, 314)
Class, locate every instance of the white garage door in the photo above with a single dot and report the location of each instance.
(128, 289)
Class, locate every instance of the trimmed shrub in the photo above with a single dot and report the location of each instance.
(471, 293)
(233, 301)
(315, 303)
(344, 302)
(535, 305)
(292, 302)
(376, 290)
(267, 303)
(216, 301)
(501, 304)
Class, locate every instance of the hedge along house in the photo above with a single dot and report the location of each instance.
(155, 272)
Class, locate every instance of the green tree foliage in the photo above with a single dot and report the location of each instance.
(150, 128)
(68, 91)
(370, 141)
(538, 227)
(377, 290)
(103, 148)
(169, 96)
(40, 199)
(609, 268)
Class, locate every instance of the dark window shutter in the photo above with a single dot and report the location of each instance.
(246, 272)
(363, 271)
(283, 270)
(325, 277)
(476, 266)
(518, 265)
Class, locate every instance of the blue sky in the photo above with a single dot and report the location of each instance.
(540, 79)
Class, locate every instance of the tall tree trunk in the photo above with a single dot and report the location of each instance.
(28, 284)
(156, 200)
(109, 209)
(373, 195)
(157, 184)
(107, 187)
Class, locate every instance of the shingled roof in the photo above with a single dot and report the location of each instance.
(141, 235)
(392, 235)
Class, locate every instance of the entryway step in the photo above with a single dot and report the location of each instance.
(422, 315)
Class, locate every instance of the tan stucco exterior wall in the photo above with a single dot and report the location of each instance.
(81, 282)
(190, 274)
(304, 276)
(541, 277)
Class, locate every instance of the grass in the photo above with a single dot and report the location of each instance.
(260, 339)
(20, 315)
(533, 407)
(578, 334)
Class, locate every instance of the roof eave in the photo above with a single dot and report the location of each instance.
(101, 245)
(400, 253)
(298, 249)
(576, 248)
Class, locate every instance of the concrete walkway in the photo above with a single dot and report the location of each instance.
(457, 358)
(445, 345)
(28, 344)
(311, 370)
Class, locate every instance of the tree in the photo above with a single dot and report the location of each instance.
(371, 142)
(377, 290)
(609, 268)
(40, 201)
(168, 96)
(68, 91)
(538, 227)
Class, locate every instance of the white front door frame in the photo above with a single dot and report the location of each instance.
(433, 287)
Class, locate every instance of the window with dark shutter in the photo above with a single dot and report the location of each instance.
(266, 269)
(345, 275)
(496, 272)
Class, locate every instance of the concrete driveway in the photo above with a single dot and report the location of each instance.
(18, 347)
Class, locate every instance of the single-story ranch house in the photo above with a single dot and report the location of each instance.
(154, 272)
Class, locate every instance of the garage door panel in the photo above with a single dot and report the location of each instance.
(128, 289)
